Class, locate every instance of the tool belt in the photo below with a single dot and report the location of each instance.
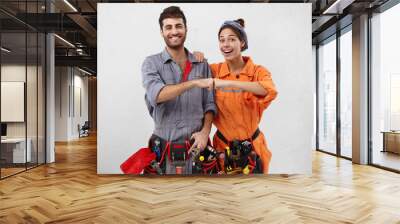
(240, 156)
(173, 158)
(205, 161)
(253, 137)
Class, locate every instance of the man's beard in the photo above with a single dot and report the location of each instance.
(173, 46)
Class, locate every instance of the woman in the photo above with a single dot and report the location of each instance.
(243, 91)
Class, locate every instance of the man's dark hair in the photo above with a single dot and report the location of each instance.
(171, 12)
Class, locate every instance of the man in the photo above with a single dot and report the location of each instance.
(179, 93)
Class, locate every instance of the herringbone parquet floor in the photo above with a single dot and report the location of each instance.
(70, 191)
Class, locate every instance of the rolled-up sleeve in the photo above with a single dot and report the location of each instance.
(208, 96)
(151, 80)
(264, 78)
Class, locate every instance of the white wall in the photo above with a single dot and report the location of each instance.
(279, 39)
(80, 84)
(61, 103)
(12, 101)
(68, 81)
(17, 73)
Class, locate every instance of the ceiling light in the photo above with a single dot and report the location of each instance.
(84, 71)
(331, 7)
(338, 6)
(64, 40)
(79, 51)
(5, 50)
(70, 5)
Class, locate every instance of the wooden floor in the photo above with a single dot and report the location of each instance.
(5, 172)
(70, 191)
(388, 159)
(9, 171)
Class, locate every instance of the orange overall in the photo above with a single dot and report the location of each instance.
(240, 112)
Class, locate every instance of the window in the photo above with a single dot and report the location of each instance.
(346, 93)
(385, 88)
(327, 96)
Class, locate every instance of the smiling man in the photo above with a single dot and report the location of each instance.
(178, 96)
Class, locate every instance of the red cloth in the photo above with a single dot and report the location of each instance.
(138, 161)
(187, 70)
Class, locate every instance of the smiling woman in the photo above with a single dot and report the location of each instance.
(243, 91)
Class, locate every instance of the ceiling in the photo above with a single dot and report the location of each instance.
(76, 22)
